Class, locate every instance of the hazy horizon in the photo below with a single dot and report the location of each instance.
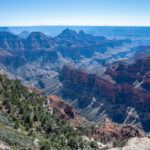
(75, 26)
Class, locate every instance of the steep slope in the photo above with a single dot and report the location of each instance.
(38, 127)
(121, 93)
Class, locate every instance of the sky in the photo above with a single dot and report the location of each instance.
(75, 12)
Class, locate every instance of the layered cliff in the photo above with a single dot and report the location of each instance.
(121, 93)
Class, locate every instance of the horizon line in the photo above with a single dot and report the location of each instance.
(77, 25)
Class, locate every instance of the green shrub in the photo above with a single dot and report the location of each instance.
(119, 143)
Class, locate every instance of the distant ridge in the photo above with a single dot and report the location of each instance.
(2, 29)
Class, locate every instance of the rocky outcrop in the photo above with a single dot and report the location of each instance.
(110, 132)
(61, 108)
(113, 132)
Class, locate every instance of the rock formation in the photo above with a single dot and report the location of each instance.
(121, 93)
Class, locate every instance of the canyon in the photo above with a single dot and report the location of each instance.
(121, 93)
(37, 59)
(100, 78)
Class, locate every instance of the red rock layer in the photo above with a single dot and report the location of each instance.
(61, 108)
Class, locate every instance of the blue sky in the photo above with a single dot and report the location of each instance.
(75, 12)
